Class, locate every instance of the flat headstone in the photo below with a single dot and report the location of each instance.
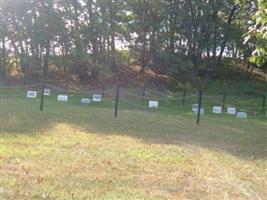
(231, 110)
(62, 98)
(194, 107)
(202, 111)
(217, 109)
(85, 101)
(242, 115)
(47, 92)
(31, 94)
(153, 104)
(97, 98)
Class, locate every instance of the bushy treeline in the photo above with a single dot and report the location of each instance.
(186, 39)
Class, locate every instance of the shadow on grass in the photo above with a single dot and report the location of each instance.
(244, 139)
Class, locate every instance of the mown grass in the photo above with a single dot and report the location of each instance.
(73, 151)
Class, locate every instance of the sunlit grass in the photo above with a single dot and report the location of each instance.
(73, 151)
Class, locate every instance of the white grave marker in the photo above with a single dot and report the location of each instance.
(201, 111)
(31, 94)
(217, 109)
(47, 92)
(97, 98)
(231, 110)
(195, 107)
(242, 115)
(153, 104)
(85, 101)
(63, 98)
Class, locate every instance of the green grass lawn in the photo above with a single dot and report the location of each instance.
(73, 151)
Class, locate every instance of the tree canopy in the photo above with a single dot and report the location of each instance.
(183, 39)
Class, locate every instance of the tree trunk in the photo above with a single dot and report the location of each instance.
(226, 35)
(112, 36)
(3, 61)
(93, 39)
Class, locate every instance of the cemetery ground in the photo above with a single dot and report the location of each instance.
(73, 151)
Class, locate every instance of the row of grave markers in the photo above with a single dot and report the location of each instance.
(219, 110)
(216, 110)
(64, 98)
(33, 94)
(95, 98)
(151, 104)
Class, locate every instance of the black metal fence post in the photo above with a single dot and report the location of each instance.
(199, 107)
(103, 91)
(117, 100)
(183, 99)
(263, 102)
(144, 92)
(223, 103)
(42, 96)
(45, 61)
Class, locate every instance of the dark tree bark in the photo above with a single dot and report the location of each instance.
(226, 35)
(111, 40)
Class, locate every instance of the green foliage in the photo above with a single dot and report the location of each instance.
(173, 37)
(258, 32)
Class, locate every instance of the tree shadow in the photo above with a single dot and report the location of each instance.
(243, 139)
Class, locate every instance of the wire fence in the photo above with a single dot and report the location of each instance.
(150, 99)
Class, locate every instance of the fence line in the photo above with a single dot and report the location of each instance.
(257, 109)
(157, 99)
(20, 87)
(145, 105)
(132, 103)
(155, 92)
(3, 82)
(11, 95)
(212, 99)
(77, 91)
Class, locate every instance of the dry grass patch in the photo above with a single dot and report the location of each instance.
(69, 152)
(66, 162)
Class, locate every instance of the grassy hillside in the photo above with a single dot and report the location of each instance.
(73, 151)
